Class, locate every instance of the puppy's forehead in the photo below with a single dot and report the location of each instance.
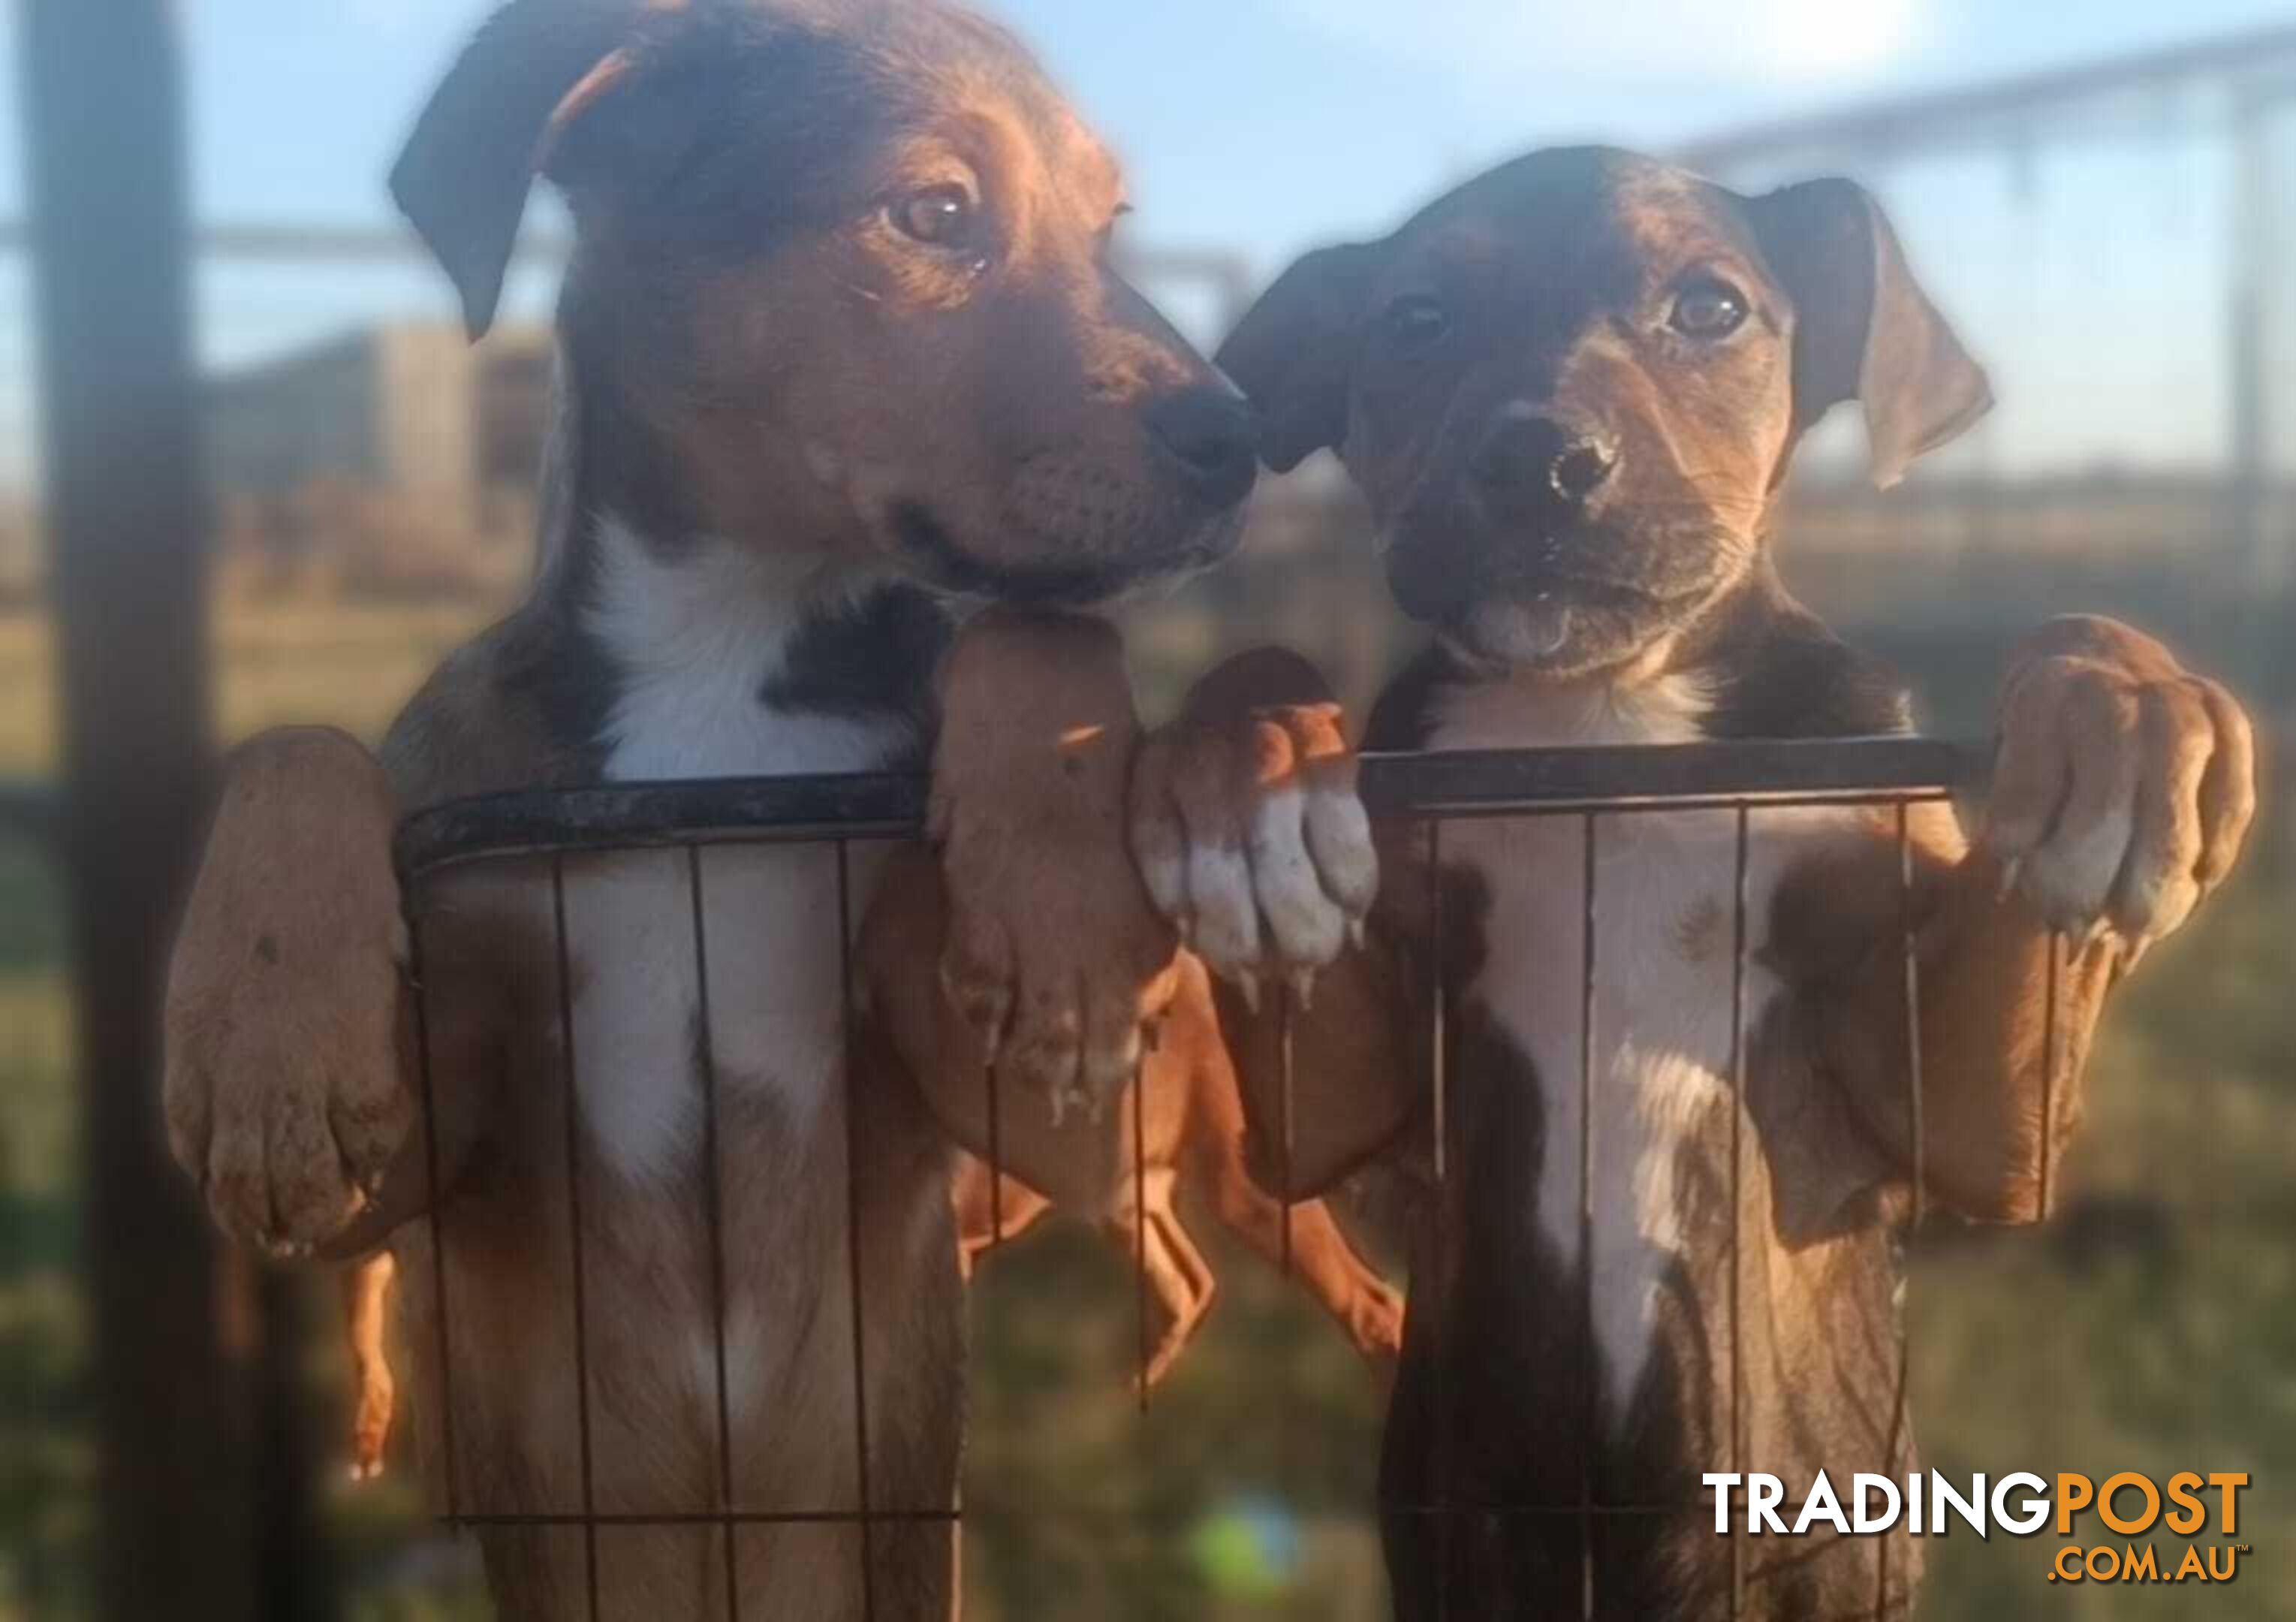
(1589, 219)
(945, 62)
(831, 98)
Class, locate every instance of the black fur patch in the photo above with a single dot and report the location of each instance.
(1784, 675)
(1401, 721)
(874, 656)
(554, 665)
(1487, 1458)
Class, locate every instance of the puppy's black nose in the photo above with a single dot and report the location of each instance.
(1213, 438)
(1534, 458)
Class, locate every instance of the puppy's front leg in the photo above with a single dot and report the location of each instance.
(2123, 793)
(289, 1017)
(1027, 955)
(374, 1391)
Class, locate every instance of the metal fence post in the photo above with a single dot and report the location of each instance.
(201, 1508)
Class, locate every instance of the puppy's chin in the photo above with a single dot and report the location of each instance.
(1550, 635)
(1585, 601)
(1088, 573)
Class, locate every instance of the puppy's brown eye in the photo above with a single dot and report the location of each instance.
(1417, 320)
(943, 217)
(1710, 309)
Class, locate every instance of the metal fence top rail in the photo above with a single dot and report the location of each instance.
(1467, 783)
(2246, 68)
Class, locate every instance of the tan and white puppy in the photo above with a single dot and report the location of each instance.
(840, 334)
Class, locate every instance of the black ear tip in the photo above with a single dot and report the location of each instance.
(467, 240)
(477, 318)
(478, 273)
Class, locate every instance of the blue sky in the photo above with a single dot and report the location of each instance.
(1267, 125)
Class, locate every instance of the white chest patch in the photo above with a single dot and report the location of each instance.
(696, 640)
(1659, 1060)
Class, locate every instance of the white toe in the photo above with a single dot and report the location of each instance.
(1219, 893)
(2072, 875)
(1308, 924)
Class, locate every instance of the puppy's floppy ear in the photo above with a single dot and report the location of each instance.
(1864, 328)
(536, 68)
(1293, 350)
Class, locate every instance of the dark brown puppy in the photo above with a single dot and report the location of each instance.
(1569, 391)
(840, 332)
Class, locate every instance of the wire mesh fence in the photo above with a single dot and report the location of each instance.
(1596, 791)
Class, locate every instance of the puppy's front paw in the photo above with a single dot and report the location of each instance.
(287, 1014)
(370, 1424)
(1247, 827)
(1377, 1325)
(1053, 953)
(2125, 784)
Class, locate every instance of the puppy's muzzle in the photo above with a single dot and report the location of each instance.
(1516, 509)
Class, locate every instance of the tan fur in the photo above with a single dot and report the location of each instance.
(1996, 1057)
(374, 1393)
(1194, 1133)
(1052, 956)
(265, 974)
(991, 1212)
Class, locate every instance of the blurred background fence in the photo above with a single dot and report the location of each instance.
(2117, 240)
